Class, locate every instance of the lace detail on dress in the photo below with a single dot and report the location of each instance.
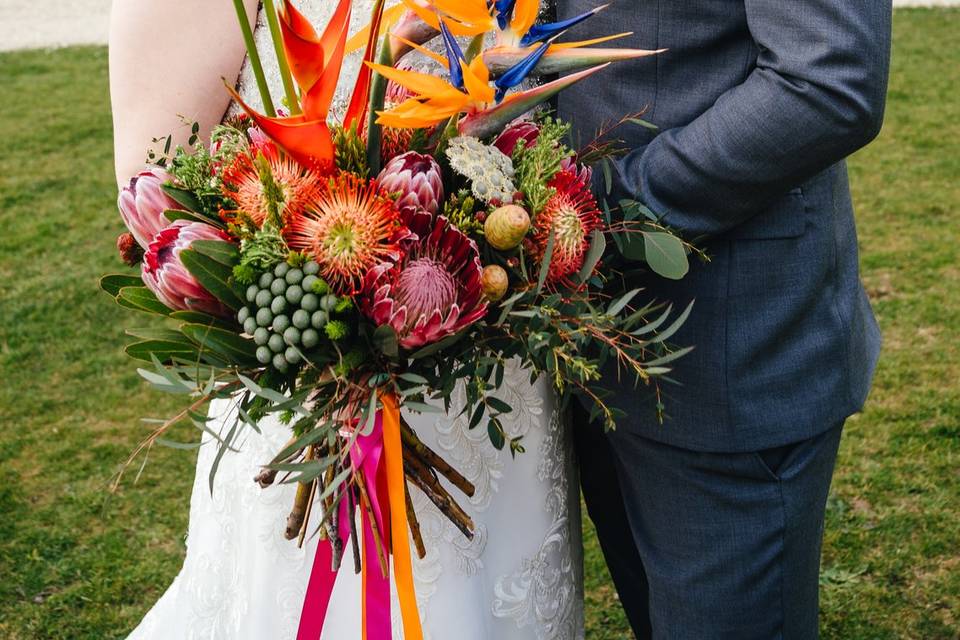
(547, 589)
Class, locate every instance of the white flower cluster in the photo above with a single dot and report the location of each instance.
(489, 171)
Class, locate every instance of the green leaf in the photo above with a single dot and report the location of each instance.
(430, 349)
(672, 329)
(220, 250)
(179, 214)
(422, 407)
(477, 416)
(173, 444)
(385, 339)
(498, 404)
(495, 432)
(619, 305)
(545, 264)
(113, 282)
(163, 350)
(184, 198)
(236, 349)
(598, 244)
(213, 276)
(198, 317)
(413, 378)
(158, 333)
(141, 299)
(643, 123)
(665, 254)
(670, 357)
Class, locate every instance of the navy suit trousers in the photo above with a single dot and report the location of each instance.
(710, 545)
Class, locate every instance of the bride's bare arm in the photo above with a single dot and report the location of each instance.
(166, 61)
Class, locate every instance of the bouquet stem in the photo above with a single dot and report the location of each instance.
(427, 454)
(414, 524)
(292, 102)
(377, 538)
(378, 93)
(254, 56)
(421, 476)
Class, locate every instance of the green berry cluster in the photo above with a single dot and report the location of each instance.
(287, 310)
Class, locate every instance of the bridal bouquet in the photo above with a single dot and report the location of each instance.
(329, 274)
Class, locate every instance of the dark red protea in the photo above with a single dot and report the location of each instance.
(348, 228)
(417, 178)
(243, 181)
(571, 215)
(434, 291)
(130, 252)
(165, 275)
(515, 132)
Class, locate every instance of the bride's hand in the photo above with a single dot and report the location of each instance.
(166, 61)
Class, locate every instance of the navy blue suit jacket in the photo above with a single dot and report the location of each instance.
(757, 103)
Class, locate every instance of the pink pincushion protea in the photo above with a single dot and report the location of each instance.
(242, 181)
(143, 202)
(571, 215)
(168, 279)
(435, 291)
(416, 177)
(348, 228)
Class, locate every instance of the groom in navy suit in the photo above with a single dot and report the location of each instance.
(711, 523)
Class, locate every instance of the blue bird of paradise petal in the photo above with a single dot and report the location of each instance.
(541, 32)
(454, 56)
(519, 72)
(504, 12)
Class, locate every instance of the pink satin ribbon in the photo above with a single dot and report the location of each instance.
(367, 456)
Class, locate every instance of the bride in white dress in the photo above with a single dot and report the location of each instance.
(520, 578)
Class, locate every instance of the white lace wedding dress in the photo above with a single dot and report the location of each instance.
(520, 578)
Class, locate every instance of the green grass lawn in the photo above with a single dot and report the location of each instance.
(77, 563)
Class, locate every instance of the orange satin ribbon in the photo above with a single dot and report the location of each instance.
(399, 529)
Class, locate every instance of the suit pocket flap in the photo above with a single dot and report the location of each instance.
(785, 218)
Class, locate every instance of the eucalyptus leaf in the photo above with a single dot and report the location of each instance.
(545, 263)
(173, 444)
(422, 407)
(598, 245)
(665, 254)
(673, 328)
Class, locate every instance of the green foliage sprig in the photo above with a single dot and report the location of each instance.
(537, 164)
(351, 151)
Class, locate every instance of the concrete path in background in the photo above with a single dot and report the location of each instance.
(26, 24)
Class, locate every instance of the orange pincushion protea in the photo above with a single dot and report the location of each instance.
(571, 215)
(243, 183)
(348, 228)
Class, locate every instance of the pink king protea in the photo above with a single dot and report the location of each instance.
(143, 202)
(515, 132)
(165, 275)
(434, 291)
(416, 177)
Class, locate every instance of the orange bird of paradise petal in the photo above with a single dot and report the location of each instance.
(315, 63)
(435, 99)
